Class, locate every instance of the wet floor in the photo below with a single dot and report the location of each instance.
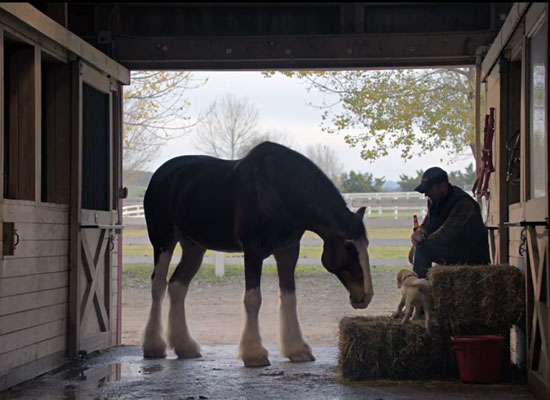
(122, 373)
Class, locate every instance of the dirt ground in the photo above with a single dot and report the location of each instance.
(215, 312)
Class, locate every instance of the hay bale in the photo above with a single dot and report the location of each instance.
(382, 348)
(477, 299)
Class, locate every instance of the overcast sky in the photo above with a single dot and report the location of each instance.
(283, 107)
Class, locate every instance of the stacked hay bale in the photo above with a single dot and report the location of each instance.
(486, 299)
(381, 348)
(471, 300)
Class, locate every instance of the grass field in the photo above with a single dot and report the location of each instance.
(146, 250)
(373, 233)
(138, 275)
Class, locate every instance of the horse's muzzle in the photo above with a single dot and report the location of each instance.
(362, 303)
(359, 304)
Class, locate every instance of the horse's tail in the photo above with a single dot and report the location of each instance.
(160, 226)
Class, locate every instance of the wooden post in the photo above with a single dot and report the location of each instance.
(219, 263)
(73, 336)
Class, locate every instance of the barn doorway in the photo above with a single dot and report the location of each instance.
(284, 115)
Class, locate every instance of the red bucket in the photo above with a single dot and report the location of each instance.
(479, 358)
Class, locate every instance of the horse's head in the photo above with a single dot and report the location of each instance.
(346, 256)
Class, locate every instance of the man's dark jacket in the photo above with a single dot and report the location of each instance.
(456, 222)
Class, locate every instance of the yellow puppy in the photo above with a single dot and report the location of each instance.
(415, 296)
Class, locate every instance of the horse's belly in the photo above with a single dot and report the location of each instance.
(219, 243)
(212, 235)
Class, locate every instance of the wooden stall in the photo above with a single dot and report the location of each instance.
(515, 77)
(60, 106)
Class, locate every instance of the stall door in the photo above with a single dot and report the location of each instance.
(92, 214)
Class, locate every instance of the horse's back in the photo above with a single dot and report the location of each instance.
(285, 180)
(192, 194)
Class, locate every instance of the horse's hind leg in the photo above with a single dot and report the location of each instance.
(293, 344)
(178, 333)
(154, 345)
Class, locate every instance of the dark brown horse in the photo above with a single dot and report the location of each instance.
(259, 205)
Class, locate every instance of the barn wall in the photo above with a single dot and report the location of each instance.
(34, 268)
(35, 197)
(520, 212)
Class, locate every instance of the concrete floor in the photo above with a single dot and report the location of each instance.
(122, 373)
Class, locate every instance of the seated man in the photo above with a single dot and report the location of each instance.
(453, 231)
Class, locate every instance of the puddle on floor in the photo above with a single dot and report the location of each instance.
(115, 372)
(81, 382)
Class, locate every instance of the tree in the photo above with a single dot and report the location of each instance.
(357, 182)
(326, 159)
(155, 112)
(229, 126)
(408, 183)
(464, 179)
(388, 106)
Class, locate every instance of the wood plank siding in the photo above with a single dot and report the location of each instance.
(519, 205)
(34, 286)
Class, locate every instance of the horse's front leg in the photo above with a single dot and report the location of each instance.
(293, 344)
(251, 350)
(179, 337)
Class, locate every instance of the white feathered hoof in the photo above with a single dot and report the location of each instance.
(255, 357)
(301, 353)
(256, 362)
(154, 348)
(190, 350)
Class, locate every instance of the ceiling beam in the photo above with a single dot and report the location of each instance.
(291, 52)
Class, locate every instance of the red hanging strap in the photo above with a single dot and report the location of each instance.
(481, 185)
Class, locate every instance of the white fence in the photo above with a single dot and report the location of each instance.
(380, 203)
(383, 196)
(135, 210)
(395, 211)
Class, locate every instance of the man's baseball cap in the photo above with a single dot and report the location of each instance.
(431, 176)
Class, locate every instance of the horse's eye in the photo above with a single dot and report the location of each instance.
(350, 248)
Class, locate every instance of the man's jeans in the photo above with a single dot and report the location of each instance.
(427, 252)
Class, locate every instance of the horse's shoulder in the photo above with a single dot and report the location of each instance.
(269, 148)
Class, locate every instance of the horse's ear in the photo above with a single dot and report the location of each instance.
(355, 227)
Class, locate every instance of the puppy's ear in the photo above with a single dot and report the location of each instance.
(398, 278)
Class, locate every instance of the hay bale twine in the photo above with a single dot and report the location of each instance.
(477, 299)
(381, 348)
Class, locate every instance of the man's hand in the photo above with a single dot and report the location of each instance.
(417, 237)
